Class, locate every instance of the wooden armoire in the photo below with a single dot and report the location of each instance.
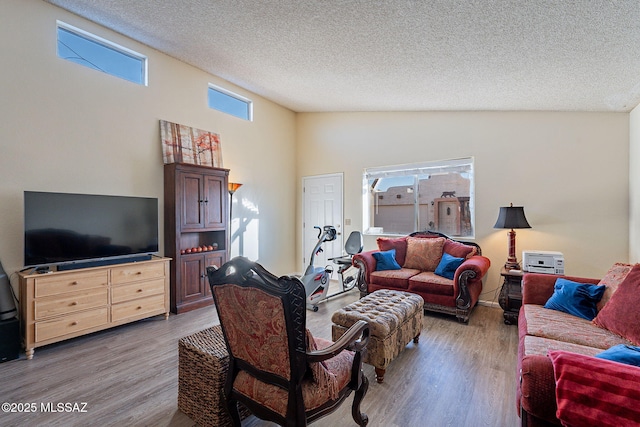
(195, 230)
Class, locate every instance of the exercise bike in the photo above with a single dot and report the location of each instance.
(347, 273)
(316, 279)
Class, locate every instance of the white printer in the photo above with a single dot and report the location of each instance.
(547, 262)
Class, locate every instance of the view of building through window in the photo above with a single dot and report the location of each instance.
(435, 196)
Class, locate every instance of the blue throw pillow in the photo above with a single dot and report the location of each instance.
(578, 299)
(448, 266)
(622, 353)
(386, 260)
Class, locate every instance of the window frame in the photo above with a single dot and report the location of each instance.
(107, 44)
(248, 102)
(466, 164)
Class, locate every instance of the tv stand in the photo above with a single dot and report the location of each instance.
(101, 262)
(67, 304)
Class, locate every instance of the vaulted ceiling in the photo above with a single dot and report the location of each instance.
(399, 55)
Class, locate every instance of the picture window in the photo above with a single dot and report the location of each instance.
(435, 196)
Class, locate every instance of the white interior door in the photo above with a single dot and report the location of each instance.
(322, 205)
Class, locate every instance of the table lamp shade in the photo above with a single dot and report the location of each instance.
(512, 217)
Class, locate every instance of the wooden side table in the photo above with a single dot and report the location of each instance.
(510, 298)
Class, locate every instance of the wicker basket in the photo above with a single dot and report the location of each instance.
(203, 362)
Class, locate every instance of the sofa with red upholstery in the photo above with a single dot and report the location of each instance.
(446, 273)
(560, 379)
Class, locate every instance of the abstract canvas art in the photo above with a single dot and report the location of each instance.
(184, 144)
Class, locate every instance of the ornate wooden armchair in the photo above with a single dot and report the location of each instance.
(276, 367)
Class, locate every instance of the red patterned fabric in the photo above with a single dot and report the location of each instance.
(314, 393)
(399, 244)
(459, 250)
(262, 328)
(395, 279)
(556, 325)
(616, 274)
(595, 392)
(621, 314)
(423, 254)
(430, 282)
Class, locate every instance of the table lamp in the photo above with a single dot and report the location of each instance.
(512, 217)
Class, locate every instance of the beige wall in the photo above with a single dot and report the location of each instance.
(569, 170)
(634, 185)
(68, 128)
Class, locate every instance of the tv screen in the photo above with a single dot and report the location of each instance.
(62, 227)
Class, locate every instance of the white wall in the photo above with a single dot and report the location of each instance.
(569, 170)
(68, 128)
(634, 185)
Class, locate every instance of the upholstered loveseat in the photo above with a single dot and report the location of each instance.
(560, 379)
(446, 273)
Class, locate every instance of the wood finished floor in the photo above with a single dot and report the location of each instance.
(457, 375)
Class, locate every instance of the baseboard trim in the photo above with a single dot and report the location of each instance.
(489, 303)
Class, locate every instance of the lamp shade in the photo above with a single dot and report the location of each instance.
(233, 186)
(512, 217)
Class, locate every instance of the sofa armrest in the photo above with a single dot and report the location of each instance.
(471, 270)
(537, 288)
(366, 263)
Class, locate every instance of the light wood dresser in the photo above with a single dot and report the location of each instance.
(65, 304)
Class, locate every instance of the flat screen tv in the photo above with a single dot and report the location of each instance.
(77, 230)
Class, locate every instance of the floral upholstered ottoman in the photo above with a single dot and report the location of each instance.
(395, 319)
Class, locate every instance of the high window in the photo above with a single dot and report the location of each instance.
(228, 102)
(436, 196)
(87, 49)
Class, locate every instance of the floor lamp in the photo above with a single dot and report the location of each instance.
(233, 186)
(512, 217)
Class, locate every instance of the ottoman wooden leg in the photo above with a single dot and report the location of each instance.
(380, 375)
(416, 338)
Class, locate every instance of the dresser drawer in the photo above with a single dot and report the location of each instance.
(70, 302)
(56, 283)
(137, 272)
(71, 323)
(137, 290)
(137, 307)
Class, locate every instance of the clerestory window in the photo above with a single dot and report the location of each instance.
(87, 49)
(231, 103)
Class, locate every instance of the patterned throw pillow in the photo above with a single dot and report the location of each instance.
(612, 280)
(459, 250)
(621, 315)
(595, 392)
(424, 253)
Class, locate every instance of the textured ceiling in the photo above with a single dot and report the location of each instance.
(399, 55)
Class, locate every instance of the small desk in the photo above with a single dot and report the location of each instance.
(510, 298)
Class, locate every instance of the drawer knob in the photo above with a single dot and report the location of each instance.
(138, 272)
(139, 290)
(139, 307)
(74, 282)
(74, 303)
(74, 323)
